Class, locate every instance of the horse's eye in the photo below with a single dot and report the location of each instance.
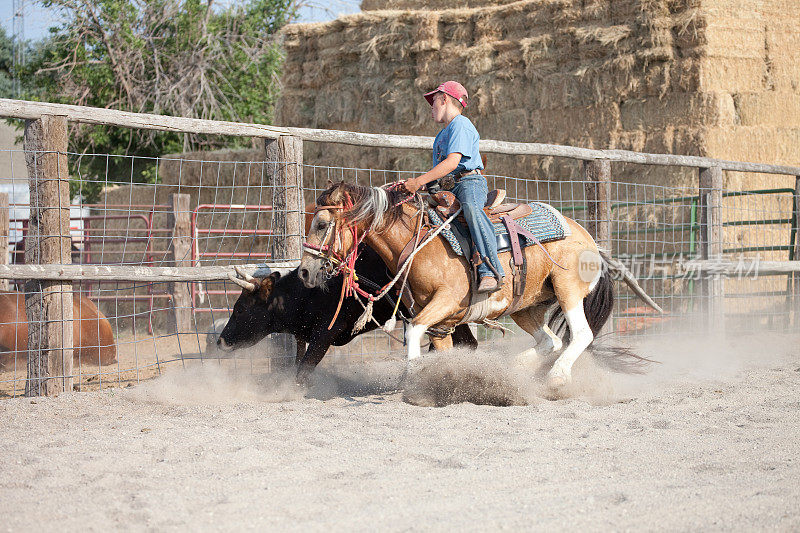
(322, 224)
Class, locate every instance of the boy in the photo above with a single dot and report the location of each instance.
(455, 152)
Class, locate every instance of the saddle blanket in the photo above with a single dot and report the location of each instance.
(545, 222)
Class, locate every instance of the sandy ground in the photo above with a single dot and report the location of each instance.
(709, 439)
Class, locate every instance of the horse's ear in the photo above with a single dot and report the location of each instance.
(330, 183)
(267, 285)
(337, 194)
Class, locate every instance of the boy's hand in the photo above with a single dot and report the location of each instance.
(411, 185)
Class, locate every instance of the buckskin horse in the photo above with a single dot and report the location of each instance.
(554, 289)
(93, 338)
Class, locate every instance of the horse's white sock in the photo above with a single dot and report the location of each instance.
(580, 338)
(413, 337)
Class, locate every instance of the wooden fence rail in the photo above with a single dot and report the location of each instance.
(132, 274)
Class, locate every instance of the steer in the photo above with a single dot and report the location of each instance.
(283, 304)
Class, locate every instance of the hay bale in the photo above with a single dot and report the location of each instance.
(433, 5)
(699, 110)
(776, 109)
(681, 76)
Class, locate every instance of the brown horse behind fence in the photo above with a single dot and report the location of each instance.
(93, 338)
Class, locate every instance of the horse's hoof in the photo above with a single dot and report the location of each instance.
(528, 358)
(557, 381)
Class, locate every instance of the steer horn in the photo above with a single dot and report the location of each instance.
(244, 275)
(246, 285)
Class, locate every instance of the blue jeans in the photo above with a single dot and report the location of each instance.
(471, 191)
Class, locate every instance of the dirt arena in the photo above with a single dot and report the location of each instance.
(709, 439)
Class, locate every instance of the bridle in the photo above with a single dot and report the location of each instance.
(323, 251)
(333, 262)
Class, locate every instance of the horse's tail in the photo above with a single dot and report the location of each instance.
(625, 275)
(597, 306)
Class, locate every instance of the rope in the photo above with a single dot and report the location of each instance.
(350, 261)
(396, 185)
(390, 324)
(382, 328)
(405, 268)
(430, 237)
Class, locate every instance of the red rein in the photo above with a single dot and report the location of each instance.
(347, 265)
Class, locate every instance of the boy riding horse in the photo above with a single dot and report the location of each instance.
(455, 154)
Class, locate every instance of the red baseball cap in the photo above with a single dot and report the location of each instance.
(453, 88)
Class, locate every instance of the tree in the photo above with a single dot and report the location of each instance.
(6, 65)
(172, 57)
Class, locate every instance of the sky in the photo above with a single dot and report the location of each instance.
(38, 19)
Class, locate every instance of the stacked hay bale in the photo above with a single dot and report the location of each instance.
(597, 74)
(715, 78)
(750, 60)
(382, 5)
(700, 77)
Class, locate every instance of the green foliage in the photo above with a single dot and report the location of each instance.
(6, 64)
(172, 57)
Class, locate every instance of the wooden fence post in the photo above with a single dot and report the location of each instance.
(711, 240)
(284, 160)
(597, 174)
(796, 251)
(5, 224)
(284, 157)
(48, 304)
(179, 219)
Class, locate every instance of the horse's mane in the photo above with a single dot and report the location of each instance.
(379, 206)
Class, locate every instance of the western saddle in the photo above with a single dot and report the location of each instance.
(446, 203)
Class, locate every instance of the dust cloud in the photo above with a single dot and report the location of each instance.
(496, 377)
(210, 383)
(492, 375)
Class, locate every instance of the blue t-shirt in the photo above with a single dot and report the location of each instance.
(462, 137)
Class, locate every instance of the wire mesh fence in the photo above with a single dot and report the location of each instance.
(130, 331)
(221, 209)
(654, 230)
